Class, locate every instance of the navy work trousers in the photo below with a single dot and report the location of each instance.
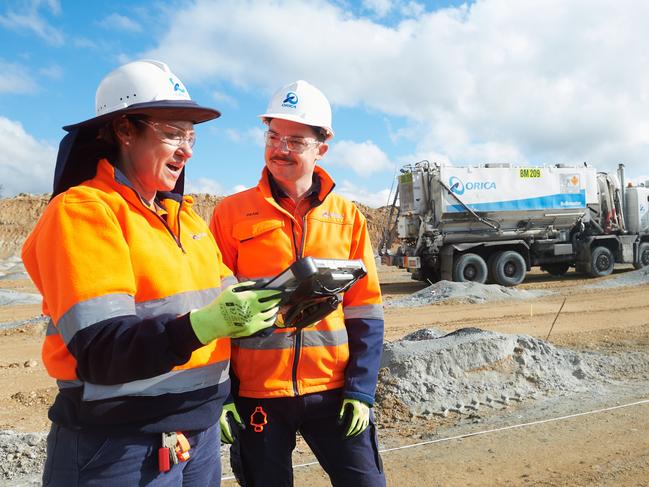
(261, 456)
(80, 459)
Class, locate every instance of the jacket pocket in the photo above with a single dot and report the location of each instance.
(249, 229)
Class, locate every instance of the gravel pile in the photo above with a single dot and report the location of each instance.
(22, 457)
(633, 278)
(12, 268)
(470, 292)
(10, 298)
(36, 320)
(434, 373)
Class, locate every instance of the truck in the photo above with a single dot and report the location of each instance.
(494, 222)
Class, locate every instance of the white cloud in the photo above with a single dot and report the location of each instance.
(27, 164)
(120, 22)
(493, 79)
(380, 8)
(375, 199)
(210, 186)
(412, 9)
(203, 185)
(14, 78)
(53, 71)
(254, 135)
(224, 98)
(29, 19)
(364, 158)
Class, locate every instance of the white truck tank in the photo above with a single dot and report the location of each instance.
(637, 209)
(514, 197)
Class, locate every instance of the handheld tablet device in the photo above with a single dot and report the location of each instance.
(311, 288)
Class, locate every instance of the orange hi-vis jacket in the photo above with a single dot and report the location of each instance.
(258, 238)
(118, 281)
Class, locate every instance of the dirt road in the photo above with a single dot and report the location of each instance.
(607, 448)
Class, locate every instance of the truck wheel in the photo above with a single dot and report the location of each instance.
(470, 267)
(508, 268)
(643, 256)
(601, 262)
(556, 269)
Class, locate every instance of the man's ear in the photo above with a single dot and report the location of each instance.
(322, 150)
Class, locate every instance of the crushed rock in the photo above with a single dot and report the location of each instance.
(11, 298)
(36, 320)
(430, 372)
(12, 268)
(471, 292)
(632, 278)
(22, 458)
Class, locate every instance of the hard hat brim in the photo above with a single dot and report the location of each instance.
(294, 118)
(187, 110)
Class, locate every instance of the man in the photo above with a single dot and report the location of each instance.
(319, 381)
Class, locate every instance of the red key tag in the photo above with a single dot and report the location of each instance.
(163, 459)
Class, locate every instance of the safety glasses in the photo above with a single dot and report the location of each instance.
(289, 143)
(170, 134)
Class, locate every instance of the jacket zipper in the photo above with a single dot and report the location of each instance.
(166, 225)
(298, 335)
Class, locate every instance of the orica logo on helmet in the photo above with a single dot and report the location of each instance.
(290, 100)
(177, 86)
(458, 187)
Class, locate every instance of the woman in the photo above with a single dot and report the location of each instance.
(136, 291)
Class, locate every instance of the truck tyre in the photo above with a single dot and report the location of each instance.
(508, 268)
(601, 262)
(556, 269)
(470, 267)
(643, 256)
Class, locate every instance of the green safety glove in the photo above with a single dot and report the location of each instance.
(229, 415)
(238, 312)
(359, 416)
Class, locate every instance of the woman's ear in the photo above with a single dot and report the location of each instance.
(123, 130)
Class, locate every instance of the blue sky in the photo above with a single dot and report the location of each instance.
(516, 81)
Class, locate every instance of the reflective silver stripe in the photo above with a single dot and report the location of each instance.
(282, 341)
(276, 341)
(174, 382)
(368, 311)
(89, 312)
(176, 304)
(228, 281)
(68, 384)
(329, 338)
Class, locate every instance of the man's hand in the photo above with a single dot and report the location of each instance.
(237, 312)
(358, 414)
(229, 411)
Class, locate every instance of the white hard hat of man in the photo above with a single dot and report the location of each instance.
(301, 102)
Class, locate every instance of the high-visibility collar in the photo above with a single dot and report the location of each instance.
(325, 182)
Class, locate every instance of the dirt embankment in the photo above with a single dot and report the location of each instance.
(19, 214)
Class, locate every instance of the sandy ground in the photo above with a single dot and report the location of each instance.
(610, 447)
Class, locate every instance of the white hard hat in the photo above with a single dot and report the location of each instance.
(300, 102)
(145, 87)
